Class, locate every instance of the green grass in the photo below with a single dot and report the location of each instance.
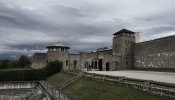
(16, 69)
(155, 69)
(87, 89)
(59, 78)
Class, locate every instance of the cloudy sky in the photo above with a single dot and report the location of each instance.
(28, 26)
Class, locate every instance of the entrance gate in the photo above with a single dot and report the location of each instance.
(107, 66)
(100, 63)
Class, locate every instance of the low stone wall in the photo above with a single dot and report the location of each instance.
(16, 90)
(144, 85)
(25, 90)
(17, 85)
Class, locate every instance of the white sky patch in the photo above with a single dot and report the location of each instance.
(160, 35)
(95, 39)
(19, 51)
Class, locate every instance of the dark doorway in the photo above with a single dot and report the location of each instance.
(75, 64)
(127, 64)
(100, 64)
(95, 67)
(107, 66)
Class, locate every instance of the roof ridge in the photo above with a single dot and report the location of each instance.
(124, 31)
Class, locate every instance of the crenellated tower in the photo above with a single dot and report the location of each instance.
(123, 43)
(58, 52)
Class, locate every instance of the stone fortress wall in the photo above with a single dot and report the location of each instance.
(158, 53)
(39, 60)
(125, 54)
(59, 56)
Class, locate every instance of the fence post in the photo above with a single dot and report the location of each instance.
(121, 80)
(64, 97)
(59, 95)
(92, 76)
(147, 85)
(104, 78)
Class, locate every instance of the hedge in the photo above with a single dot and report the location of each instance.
(30, 74)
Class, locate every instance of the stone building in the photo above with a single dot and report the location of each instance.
(125, 54)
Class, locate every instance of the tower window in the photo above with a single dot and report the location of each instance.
(127, 63)
(116, 63)
(126, 42)
(67, 62)
(75, 63)
(126, 50)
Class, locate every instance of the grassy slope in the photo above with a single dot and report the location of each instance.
(86, 89)
(59, 78)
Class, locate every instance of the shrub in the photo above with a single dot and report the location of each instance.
(54, 67)
(30, 74)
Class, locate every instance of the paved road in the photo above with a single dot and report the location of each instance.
(166, 77)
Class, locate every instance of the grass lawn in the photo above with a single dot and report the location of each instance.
(156, 69)
(15, 69)
(87, 89)
(59, 78)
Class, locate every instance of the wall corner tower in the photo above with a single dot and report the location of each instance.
(123, 43)
(58, 52)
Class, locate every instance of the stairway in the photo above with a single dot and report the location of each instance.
(71, 81)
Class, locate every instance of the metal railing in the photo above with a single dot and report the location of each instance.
(71, 81)
(54, 91)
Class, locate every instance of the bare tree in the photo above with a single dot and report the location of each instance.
(24, 61)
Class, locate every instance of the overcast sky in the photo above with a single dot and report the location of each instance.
(28, 26)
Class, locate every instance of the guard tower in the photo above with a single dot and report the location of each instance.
(57, 47)
(123, 42)
(58, 52)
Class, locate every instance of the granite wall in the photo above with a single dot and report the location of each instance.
(158, 53)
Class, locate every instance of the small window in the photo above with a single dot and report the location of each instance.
(126, 50)
(67, 62)
(75, 63)
(85, 65)
(127, 63)
(126, 42)
(116, 63)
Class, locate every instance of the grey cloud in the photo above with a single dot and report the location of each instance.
(26, 26)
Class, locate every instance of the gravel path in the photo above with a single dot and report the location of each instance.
(166, 77)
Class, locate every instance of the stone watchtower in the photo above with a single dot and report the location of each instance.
(123, 42)
(58, 52)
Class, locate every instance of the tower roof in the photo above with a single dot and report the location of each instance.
(57, 45)
(124, 31)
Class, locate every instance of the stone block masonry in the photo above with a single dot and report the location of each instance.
(159, 53)
(125, 54)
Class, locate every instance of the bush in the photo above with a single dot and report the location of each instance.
(54, 67)
(30, 74)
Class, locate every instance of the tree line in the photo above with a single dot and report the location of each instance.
(23, 62)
